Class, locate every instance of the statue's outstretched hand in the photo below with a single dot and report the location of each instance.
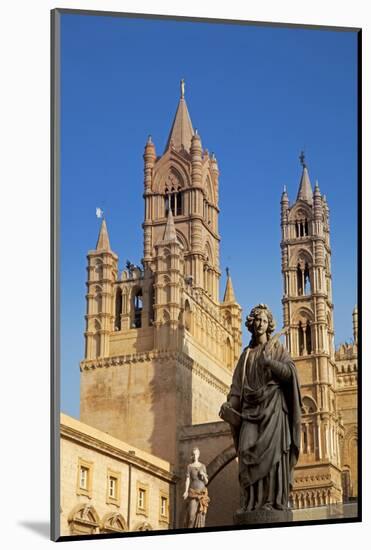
(185, 495)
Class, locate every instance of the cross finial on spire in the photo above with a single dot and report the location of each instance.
(302, 159)
(227, 271)
(182, 86)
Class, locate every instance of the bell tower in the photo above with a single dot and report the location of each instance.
(160, 345)
(308, 314)
(185, 180)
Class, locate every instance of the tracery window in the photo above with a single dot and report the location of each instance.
(138, 307)
(301, 228)
(174, 200)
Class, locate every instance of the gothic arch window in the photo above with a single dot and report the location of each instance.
(118, 309)
(98, 269)
(137, 307)
(346, 483)
(303, 278)
(228, 353)
(97, 300)
(309, 405)
(304, 320)
(187, 317)
(301, 223)
(174, 197)
(96, 339)
(183, 241)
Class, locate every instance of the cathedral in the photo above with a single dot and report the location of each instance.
(161, 346)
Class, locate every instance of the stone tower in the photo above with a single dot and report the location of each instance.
(308, 313)
(160, 346)
(346, 357)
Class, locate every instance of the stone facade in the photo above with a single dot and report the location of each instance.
(161, 347)
(101, 478)
(327, 461)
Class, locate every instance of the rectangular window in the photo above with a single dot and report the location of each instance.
(84, 472)
(84, 483)
(113, 495)
(164, 506)
(142, 499)
(112, 487)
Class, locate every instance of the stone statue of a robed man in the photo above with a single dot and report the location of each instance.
(263, 409)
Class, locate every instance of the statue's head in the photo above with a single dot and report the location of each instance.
(195, 453)
(260, 320)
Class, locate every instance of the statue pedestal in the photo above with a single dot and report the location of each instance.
(258, 517)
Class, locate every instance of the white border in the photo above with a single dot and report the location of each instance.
(24, 272)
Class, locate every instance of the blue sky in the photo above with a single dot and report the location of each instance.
(257, 95)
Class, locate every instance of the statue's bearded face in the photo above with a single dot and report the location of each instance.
(260, 323)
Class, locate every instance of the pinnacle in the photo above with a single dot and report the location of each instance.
(305, 188)
(229, 296)
(170, 233)
(181, 132)
(103, 238)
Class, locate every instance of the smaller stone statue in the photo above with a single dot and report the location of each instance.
(196, 494)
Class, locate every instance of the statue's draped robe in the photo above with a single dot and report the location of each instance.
(198, 499)
(268, 439)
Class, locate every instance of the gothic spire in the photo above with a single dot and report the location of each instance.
(229, 296)
(170, 233)
(103, 238)
(305, 188)
(181, 130)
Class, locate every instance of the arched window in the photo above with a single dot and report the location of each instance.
(228, 353)
(138, 307)
(174, 200)
(305, 338)
(303, 279)
(299, 278)
(308, 334)
(187, 316)
(118, 309)
(306, 280)
(346, 484)
(96, 339)
(301, 339)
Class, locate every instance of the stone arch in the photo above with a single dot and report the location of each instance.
(98, 268)
(210, 194)
(302, 255)
(113, 522)
(309, 404)
(84, 520)
(118, 308)
(209, 256)
(300, 210)
(98, 299)
(136, 306)
(182, 240)
(220, 462)
(165, 317)
(170, 170)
